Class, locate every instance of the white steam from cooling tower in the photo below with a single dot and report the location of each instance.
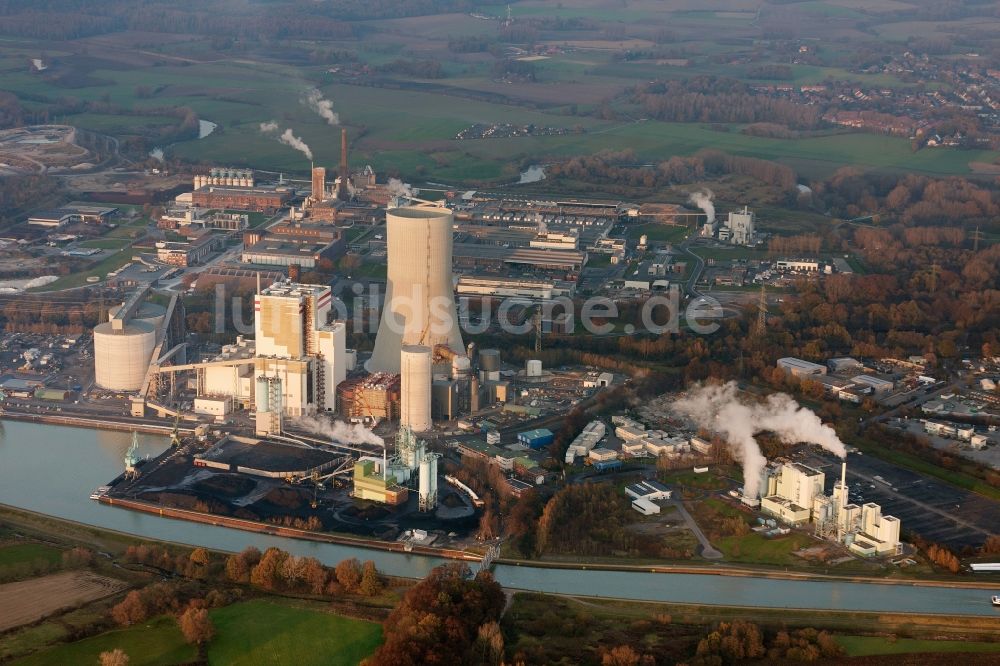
(345, 433)
(720, 409)
(287, 138)
(703, 200)
(323, 107)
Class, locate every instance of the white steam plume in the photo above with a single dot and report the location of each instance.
(156, 154)
(345, 433)
(703, 200)
(398, 188)
(721, 410)
(295, 142)
(268, 127)
(324, 107)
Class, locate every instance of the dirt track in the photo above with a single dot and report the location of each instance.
(29, 600)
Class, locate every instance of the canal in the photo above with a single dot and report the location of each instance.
(53, 470)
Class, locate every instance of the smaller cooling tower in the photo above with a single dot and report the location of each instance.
(415, 387)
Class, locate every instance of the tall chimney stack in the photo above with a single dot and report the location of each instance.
(342, 192)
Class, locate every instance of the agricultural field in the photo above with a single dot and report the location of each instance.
(864, 646)
(252, 632)
(588, 55)
(26, 601)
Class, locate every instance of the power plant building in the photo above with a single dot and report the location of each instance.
(300, 358)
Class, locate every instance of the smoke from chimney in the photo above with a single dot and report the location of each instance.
(721, 410)
(398, 188)
(295, 142)
(703, 200)
(323, 107)
(344, 433)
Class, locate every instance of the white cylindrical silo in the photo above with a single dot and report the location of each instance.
(419, 299)
(425, 481)
(121, 358)
(415, 387)
(533, 368)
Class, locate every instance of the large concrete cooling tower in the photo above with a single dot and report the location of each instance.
(419, 306)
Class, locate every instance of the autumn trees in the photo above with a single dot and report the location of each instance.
(447, 618)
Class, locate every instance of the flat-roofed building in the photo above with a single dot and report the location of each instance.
(799, 368)
(878, 386)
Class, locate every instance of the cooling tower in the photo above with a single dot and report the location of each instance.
(419, 304)
(415, 388)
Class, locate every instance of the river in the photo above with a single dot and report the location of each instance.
(53, 470)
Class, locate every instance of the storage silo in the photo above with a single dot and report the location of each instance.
(415, 388)
(489, 360)
(121, 357)
(424, 489)
(419, 299)
(533, 368)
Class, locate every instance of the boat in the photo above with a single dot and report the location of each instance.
(996, 599)
(100, 492)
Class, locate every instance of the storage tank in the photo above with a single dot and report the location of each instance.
(489, 360)
(643, 240)
(425, 483)
(121, 358)
(533, 368)
(419, 297)
(415, 387)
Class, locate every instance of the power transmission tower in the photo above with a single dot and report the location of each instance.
(977, 236)
(761, 324)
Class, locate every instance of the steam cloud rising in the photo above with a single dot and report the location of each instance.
(268, 127)
(324, 107)
(703, 200)
(295, 142)
(719, 409)
(399, 189)
(345, 433)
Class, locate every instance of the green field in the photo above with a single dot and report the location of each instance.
(664, 233)
(761, 550)
(863, 646)
(156, 643)
(21, 553)
(266, 632)
(253, 632)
